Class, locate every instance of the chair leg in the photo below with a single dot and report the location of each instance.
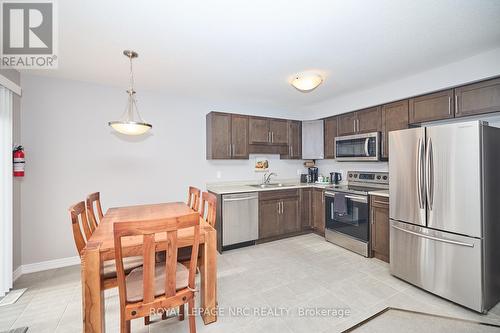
(192, 323)
(147, 321)
(124, 326)
(181, 312)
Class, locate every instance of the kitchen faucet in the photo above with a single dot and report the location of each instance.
(267, 177)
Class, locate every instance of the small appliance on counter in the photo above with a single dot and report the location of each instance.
(313, 174)
(304, 178)
(335, 178)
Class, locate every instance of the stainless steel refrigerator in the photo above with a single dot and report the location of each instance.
(445, 211)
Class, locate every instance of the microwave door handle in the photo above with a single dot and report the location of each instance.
(367, 142)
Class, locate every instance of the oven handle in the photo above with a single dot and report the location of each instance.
(367, 142)
(352, 197)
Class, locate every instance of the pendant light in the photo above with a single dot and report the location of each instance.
(131, 122)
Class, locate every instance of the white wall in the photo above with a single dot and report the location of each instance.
(71, 152)
(474, 68)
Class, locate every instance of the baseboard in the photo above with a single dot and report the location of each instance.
(17, 273)
(45, 265)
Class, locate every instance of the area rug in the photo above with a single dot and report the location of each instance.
(399, 320)
(17, 330)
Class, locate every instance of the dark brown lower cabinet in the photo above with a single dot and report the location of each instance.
(306, 208)
(279, 213)
(318, 210)
(379, 224)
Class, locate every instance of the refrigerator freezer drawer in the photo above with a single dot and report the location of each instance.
(445, 264)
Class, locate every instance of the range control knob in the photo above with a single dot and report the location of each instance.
(378, 177)
(385, 177)
(350, 175)
(355, 176)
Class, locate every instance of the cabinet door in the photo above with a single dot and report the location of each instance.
(431, 107)
(289, 217)
(330, 134)
(239, 137)
(380, 227)
(218, 136)
(294, 151)
(482, 97)
(318, 211)
(369, 120)
(259, 130)
(269, 218)
(306, 208)
(346, 124)
(279, 131)
(394, 117)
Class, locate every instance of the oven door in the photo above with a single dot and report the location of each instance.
(361, 147)
(355, 223)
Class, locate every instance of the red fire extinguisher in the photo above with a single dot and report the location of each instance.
(19, 161)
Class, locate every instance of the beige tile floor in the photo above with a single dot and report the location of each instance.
(291, 274)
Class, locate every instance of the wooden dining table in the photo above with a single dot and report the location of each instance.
(100, 247)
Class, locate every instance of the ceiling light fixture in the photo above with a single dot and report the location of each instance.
(131, 122)
(306, 82)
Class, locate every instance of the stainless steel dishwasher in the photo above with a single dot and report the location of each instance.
(240, 218)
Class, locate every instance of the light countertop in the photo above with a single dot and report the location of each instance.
(243, 188)
(380, 193)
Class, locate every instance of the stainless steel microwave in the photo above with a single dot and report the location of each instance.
(359, 147)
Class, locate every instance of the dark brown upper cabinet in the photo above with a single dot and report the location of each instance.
(394, 118)
(362, 121)
(294, 141)
(369, 120)
(477, 98)
(268, 131)
(279, 131)
(431, 107)
(259, 132)
(346, 124)
(330, 126)
(227, 136)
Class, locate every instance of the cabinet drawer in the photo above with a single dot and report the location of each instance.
(376, 200)
(278, 194)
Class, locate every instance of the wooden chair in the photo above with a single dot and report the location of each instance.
(156, 286)
(91, 199)
(210, 201)
(194, 198)
(80, 221)
(208, 214)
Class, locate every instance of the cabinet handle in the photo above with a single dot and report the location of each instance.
(269, 137)
(282, 207)
(278, 206)
(272, 137)
(381, 202)
(457, 109)
(371, 216)
(382, 143)
(449, 105)
(232, 150)
(357, 122)
(229, 150)
(354, 122)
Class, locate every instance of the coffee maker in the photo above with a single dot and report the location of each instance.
(335, 178)
(313, 174)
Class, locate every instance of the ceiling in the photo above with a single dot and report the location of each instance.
(249, 49)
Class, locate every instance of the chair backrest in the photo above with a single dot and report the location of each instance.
(94, 198)
(210, 201)
(194, 198)
(148, 231)
(79, 221)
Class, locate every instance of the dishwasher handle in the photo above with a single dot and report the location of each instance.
(239, 199)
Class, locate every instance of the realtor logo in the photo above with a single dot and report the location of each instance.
(28, 34)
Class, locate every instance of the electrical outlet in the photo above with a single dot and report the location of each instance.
(219, 175)
(299, 172)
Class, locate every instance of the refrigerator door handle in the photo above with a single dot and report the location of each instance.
(443, 240)
(429, 174)
(419, 174)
